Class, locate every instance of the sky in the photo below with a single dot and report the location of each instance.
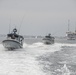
(37, 17)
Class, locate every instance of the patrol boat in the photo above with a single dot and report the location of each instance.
(48, 39)
(13, 40)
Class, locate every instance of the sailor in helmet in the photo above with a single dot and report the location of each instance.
(14, 30)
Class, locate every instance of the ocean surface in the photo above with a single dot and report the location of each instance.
(37, 58)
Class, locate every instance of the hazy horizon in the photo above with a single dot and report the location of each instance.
(38, 17)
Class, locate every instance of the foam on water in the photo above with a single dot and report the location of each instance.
(40, 48)
(12, 66)
(64, 44)
(23, 61)
(1, 47)
(19, 62)
(63, 71)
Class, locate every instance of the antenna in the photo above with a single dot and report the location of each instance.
(68, 25)
(75, 27)
(21, 24)
(10, 25)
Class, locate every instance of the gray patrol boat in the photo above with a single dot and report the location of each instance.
(48, 39)
(13, 40)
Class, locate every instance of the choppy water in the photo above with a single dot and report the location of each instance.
(37, 58)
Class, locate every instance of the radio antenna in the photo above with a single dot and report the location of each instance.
(21, 24)
(68, 24)
(75, 27)
(10, 25)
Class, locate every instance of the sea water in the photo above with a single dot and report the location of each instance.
(37, 58)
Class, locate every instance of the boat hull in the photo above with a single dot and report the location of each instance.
(48, 41)
(11, 44)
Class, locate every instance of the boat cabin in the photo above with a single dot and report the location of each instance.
(14, 36)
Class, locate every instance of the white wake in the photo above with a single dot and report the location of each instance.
(23, 61)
